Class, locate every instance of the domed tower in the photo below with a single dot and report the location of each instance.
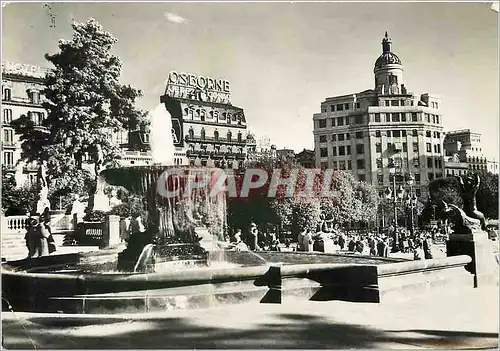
(388, 71)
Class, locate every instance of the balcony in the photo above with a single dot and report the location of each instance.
(8, 167)
(215, 154)
(8, 144)
(212, 140)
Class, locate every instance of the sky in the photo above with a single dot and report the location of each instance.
(284, 59)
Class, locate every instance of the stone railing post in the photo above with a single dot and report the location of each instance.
(110, 232)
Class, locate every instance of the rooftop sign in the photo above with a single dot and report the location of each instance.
(190, 86)
(24, 70)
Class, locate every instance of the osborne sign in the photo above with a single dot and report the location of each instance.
(190, 86)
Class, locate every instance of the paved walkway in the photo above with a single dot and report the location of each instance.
(466, 318)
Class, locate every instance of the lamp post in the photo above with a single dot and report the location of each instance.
(411, 202)
(383, 212)
(397, 194)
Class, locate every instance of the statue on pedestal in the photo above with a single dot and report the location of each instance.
(100, 200)
(43, 188)
(98, 167)
(470, 219)
(462, 223)
(469, 188)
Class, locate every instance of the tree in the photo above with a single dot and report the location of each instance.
(487, 195)
(85, 104)
(448, 190)
(17, 200)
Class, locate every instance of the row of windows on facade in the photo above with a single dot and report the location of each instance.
(391, 147)
(399, 163)
(216, 148)
(478, 167)
(392, 102)
(378, 134)
(214, 114)
(217, 163)
(472, 159)
(404, 102)
(36, 116)
(342, 107)
(463, 139)
(400, 178)
(402, 162)
(397, 117)
(33, 95)
(418, 193)
(229, 135)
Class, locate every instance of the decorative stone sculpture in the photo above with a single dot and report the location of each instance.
(462, 223)
(469, 236)
(469, 188)
(100, 200)
(43, 189)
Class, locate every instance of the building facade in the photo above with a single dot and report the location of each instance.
(366, 132)
(465, 146)
(21, 95)
(207, 129)
(22, 87)
(492, 167)
(305, 158)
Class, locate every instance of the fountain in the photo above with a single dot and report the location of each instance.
(187, 225)
(177, 261)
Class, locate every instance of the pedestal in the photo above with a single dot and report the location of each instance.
(101, 202)
(479, 248)
(111, 232)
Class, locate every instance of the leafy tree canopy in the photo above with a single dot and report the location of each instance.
(85, 104)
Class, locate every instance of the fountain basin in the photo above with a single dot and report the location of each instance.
(51, 286)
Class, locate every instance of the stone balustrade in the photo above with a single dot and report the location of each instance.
(14, 224)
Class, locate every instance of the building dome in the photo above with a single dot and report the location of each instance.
(387, 58)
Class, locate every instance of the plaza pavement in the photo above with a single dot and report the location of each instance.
(442, 318)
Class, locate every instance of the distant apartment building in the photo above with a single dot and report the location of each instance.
(260, 149)
(306, 158)
(492, 167)
(464, 146)
(21, 95)
(207, 129)
(285, 154)
(22, 86)
(366, 132)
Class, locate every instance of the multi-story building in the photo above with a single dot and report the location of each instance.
(305, 158)
(465, 146)
(21, 95)
(285, 154)
(207, 129)
(492, 167)
(22, 85)
(366, 132)
(260, 149)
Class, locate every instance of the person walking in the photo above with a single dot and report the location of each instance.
(372, 244)
(300, 239)
(308, 241)
(342, 240)
(427, 246)
(418, 253)
(253, 237)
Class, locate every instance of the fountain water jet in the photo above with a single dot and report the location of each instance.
(174, 224)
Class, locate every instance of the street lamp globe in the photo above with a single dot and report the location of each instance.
(388, 193)
(400, 192)
(410, 180)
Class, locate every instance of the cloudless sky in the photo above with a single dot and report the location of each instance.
(284, 59)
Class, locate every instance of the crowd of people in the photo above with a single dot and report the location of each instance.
(335, 240)
(39, 239)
